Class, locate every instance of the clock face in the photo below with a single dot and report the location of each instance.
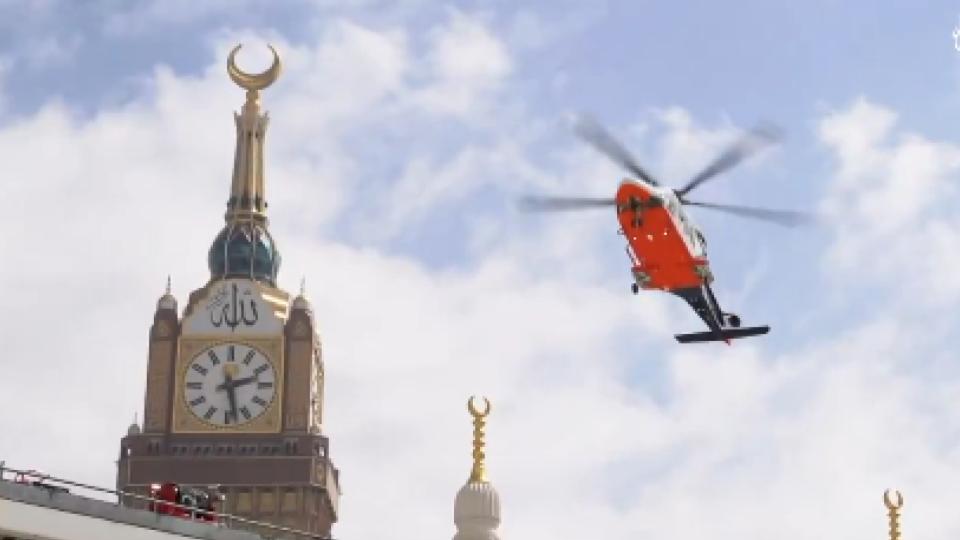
(229, 384)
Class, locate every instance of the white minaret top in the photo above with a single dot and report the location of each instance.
(476, 510)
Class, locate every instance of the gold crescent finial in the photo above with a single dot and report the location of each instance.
(889, 502)
(893, 504)
(253, 81)
(473, 408)
(478, 472)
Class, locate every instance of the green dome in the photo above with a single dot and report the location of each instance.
(244, 250)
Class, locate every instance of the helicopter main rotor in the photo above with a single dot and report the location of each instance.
(600, 139)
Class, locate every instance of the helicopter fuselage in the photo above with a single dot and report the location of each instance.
(668, 253)
(666, 248)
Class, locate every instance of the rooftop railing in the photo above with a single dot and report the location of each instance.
(61, 485)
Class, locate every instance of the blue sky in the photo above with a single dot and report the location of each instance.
(401, 135)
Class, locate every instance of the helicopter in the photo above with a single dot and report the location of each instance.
(667, 251)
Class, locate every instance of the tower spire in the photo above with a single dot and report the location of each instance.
(247, 198)
(478, 473)
(893, 504)
(245, 248)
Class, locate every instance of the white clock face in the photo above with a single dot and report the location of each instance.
(229, 384)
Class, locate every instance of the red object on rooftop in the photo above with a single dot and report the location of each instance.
(184, 502)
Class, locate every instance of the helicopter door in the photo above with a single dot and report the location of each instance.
(689, 232)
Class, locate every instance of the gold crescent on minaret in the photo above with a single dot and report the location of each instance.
(253, 81)
(894, 502)
(473, 408)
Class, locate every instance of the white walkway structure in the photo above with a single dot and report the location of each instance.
(32, 512)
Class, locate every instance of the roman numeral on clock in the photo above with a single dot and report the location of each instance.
(258, 401)
(199, 369)
(210, 412)
(198, 401)
(214, 359)
(231, 354)
(262, 385)
(261, 369)
(194, 385)
(249, 357)
(245, 412)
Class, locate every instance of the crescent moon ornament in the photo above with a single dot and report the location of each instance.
(890, 502)
(472, 408)
(253, 81)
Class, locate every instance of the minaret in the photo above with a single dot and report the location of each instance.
(476, 510)
(893, 504)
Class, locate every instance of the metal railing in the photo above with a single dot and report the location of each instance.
(40, 480)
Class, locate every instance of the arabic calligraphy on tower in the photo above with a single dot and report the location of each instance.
(232, 308)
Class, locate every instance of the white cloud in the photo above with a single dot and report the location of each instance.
(467, 64)
(892, 204)
(148, 15)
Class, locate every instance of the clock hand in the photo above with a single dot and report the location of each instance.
(230, 387)
(245, 381)
(238, 382)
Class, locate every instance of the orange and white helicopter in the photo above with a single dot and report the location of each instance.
(666, 249)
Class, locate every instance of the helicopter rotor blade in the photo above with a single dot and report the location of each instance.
(549, 204)
(743, 148)
(593, 133)
(787, 218)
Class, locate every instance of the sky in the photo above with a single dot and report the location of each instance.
(401, 136)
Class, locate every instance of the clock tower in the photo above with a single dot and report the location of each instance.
(234, 393)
